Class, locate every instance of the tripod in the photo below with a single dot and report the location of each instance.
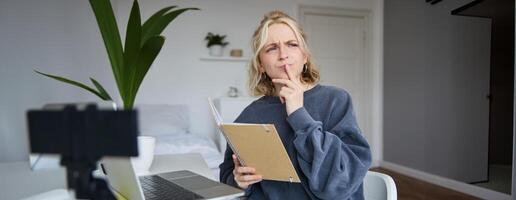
(80, 178)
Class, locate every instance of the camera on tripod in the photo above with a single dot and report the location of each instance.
(82, 135)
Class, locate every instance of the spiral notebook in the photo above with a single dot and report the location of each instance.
(258, 146)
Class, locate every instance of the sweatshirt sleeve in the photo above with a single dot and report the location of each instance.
(226, 171)
(334, 161)
(226, 168)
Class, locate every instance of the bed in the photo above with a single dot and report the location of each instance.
(170, 125)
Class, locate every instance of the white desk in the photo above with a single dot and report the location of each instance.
(17, 181)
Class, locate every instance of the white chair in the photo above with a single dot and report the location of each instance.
(378, 186)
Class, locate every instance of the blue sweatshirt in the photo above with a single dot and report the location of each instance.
(323, 141)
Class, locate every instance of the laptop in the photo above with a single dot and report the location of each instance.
(181, 184)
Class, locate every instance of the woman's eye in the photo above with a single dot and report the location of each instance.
(270, 49)
(292, 45)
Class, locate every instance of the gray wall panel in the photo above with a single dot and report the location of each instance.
(435, 82)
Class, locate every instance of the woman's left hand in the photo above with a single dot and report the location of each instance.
(291, 93)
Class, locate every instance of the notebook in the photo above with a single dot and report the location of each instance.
(258, 146)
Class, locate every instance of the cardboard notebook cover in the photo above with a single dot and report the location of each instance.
(259, 146)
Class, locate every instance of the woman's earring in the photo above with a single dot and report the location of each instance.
(263, 76)
(305, 69)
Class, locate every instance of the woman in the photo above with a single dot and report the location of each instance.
(316, 123)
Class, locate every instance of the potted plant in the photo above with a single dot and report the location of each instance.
(131, 62)
(215, 43)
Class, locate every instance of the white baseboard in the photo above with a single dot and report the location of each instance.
(446, 182)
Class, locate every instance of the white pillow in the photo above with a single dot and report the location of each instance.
(161, 119)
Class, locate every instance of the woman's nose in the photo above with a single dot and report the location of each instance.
(283, 52)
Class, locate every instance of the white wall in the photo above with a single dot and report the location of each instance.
(61, 36)
(55, 36)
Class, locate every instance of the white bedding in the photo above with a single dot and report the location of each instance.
(190, 143)
(170, 125)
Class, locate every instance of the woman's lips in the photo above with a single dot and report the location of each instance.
(285, 65)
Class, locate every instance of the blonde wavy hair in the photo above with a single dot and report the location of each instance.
(260, 83)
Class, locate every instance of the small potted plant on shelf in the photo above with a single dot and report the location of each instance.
(215, 43)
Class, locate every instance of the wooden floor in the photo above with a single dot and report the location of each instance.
(413, 189)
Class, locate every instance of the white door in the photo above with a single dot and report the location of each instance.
(338, 45)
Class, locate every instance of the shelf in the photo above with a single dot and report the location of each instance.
(224, 58)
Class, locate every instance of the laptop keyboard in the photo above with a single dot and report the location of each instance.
(157, 188)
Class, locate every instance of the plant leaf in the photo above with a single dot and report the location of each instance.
(109, 31)
(132, 48)
(153, 19)
(75, 83)
(148, 54)
(161, 23)
(101, 90)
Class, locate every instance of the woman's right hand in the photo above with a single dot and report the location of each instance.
(244, 176)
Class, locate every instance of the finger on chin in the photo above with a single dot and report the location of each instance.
(287, 70)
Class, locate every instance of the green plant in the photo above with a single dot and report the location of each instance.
(131, 63)
(215, 39)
